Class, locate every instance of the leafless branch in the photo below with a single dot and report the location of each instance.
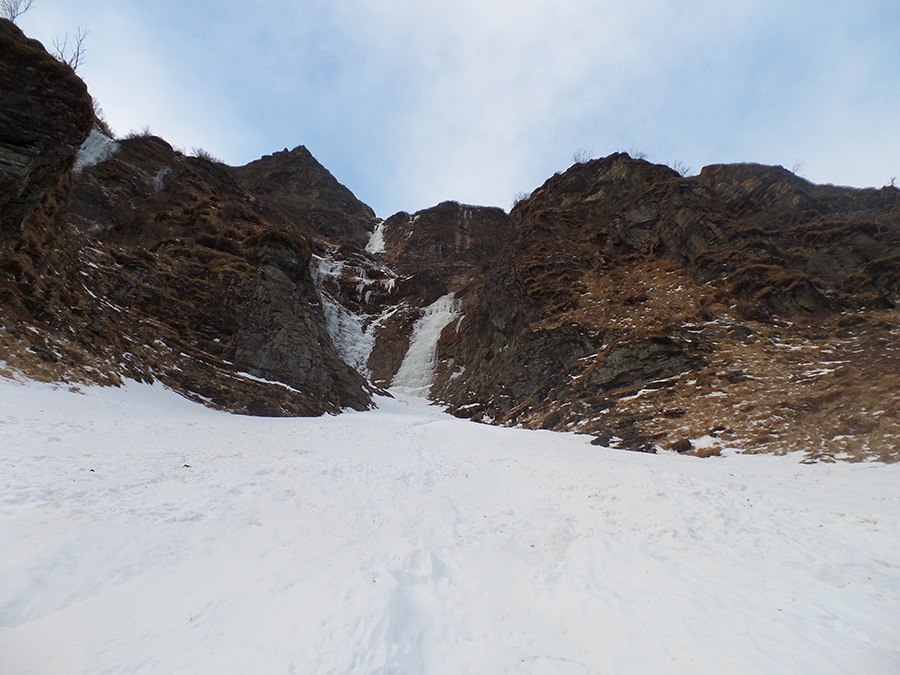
(581, 156)
(74, 57)
(13, 9)
(682, 168)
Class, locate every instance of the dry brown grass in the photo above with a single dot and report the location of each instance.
(831, 391)
(779, 390)
(27, 354)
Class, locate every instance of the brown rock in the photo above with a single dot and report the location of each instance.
(625, 291)
(681, 446)
(449, 241)
(295, 185)
(45, 115)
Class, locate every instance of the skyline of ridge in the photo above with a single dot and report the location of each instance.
(411, 104)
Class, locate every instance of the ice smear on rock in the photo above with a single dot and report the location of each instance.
(95, 149)
(349, 335)
(347, 329)
(376, 241)
(416, 373)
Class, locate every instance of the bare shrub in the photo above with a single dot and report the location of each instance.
(637, 154)
(581, 155)
(200, 153)
(100, 121)
(682, 168)
(13, 9)
(520, 197)
(72, 56)
(143, 133)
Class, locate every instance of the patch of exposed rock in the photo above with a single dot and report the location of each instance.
(45, 115)
(450, 243)
(299, 189)
(650, 309)
(153, 265)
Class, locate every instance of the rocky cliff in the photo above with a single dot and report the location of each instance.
(46, 115)
(743, 307)
(150, 264)
(300, 190)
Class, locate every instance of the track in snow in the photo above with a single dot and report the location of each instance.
(144, 533)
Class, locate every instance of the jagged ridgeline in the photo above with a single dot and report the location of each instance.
(743, 307)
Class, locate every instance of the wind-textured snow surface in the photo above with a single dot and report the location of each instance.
(142, 533)
(416, 373)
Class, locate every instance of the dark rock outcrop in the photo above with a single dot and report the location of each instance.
(153, 265)
(45, 115)
(299, 189)
(223, 282)
(449, 242)
(642, 306)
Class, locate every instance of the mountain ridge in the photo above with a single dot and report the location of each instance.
(741, 307)
(657, 277)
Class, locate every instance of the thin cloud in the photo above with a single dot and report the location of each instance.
(411, 102)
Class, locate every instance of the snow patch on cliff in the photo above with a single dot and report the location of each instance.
(95, 149)
(376, 241)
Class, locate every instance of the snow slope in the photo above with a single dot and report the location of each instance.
(143, 533)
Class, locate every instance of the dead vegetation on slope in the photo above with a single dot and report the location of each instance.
(742, 308)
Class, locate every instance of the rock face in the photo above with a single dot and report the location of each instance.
(293, 184)
(649, 309)
(155, 265)
(449, 243)
(742, 307)
(223, 280)
(46, 115)
(374, 297)
(434, 252)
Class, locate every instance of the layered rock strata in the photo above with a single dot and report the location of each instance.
(744, 306)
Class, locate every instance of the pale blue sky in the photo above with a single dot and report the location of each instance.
(411, 102)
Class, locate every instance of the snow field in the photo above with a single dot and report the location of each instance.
(406, 541)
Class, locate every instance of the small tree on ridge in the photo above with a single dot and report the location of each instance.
(13, 9)
(74, 56)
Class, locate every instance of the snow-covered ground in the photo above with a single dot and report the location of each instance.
(142, 533)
